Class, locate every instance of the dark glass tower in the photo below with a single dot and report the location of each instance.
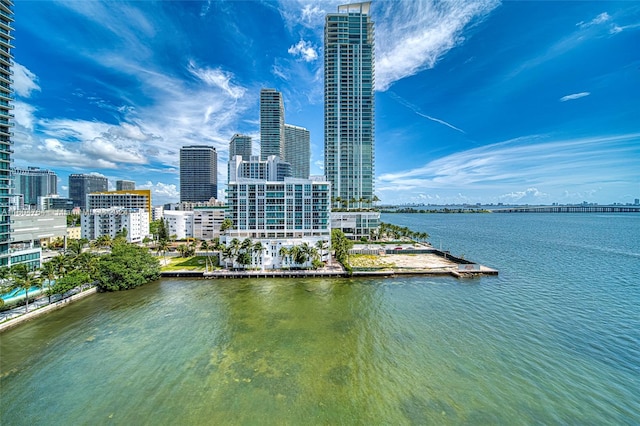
(6, 19)
(198, 173)
(80, 185)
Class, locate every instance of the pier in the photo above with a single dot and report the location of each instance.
(570, 209)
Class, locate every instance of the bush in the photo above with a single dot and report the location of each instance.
(128, 266)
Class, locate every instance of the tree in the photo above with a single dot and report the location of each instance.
(320, 247)
(183, 249)
(258, 248)
(163, 246)
(24, 278)
(283, 253)
(244, 258)
(126, 267)
(226, 224)
(48, 272)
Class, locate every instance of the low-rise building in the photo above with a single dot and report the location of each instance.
(356, 224)
(112, 221)
(127, 199)
(179, 224)
(207, 221)
(31, 230)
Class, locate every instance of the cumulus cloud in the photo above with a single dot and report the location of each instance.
(24, 81)
(161, 193)
(574, 96)
(304, 50)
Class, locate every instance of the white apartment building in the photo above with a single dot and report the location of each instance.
(111, 221)
(356, 224)
(127, 199)
(207, 221)
(179, 224)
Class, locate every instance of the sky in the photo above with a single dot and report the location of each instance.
(476, 102)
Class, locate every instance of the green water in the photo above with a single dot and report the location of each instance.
(554, 339)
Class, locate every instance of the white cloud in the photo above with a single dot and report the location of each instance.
(413, 36)
(548, 166)
(161, 193)
(601, 18)
(574, 96)
(24, 81)
(304, 50)
(528, 196)
(216, 77)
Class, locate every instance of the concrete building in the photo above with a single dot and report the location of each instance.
(279, 214)
(349, 101)
(6, 122)
(272, 169)
(356, 224)
(207, 221)
(297, 150)
(271, 124)
(125, 185)
(81, 185)
(179, 224)
(55, 202)
(31, 230)
(157, 213)
(198, 173)
(131, 199)
(32, 183)
(98, 222)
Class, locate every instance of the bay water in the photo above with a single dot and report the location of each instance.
(554, 339)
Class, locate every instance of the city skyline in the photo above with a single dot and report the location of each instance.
(475, 102)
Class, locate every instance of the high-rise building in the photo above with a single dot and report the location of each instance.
(6, 60)
(349, 103)
(240, 145)
(198, 173)
(81, 185)
(34, 182)
(271, 124)
(125, 185)
(296, 150)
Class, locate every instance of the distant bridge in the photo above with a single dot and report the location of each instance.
(570, 209)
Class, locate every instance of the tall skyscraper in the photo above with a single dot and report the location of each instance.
(6, 60)
(125, 185)
(198, 173)
(34, 182)
(240, 145)
(271, 124)
(80, 185)
(349, 102)
(296, 150)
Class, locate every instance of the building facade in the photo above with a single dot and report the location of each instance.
(179, 224)
(98, 222)
(349, 102)
(297, 150)
(81, 185)
(55, 202)
(240, 145)
(125, 185)
(356, 224)
(272, 169)
(207, 221)
(135, 199)
(271, 124)
(6, 118)
(32, 183)
(198, 173)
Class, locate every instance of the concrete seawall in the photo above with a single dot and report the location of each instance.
(52, 307)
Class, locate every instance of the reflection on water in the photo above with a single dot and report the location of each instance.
(519, 348)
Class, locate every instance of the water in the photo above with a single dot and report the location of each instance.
(555, 338)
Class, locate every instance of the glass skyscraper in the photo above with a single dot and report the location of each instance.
(34, 182)
(80, 185)
(6, 59)
(198, 173)
(296, 150)
(271, 124)
(240, 145)
(349, 101)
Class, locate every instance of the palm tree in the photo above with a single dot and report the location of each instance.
(48, 271)
(283, 253)
(24, 278)
(258, 248)
(183, 249)
(320, 247)
(205, 246)
(163, 246)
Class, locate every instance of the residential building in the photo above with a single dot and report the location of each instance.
(81, 185)
(125, 185)
(240, 145)
(157, 212)
(207, 221)
(198, 173)
(271, 124)
(279, 214)
(112, 221)
(6, 122)
(179, 224)
(356, 224)
(55, 202)
(272, 169)
(32, 183)
(133, 199)
(297, 150)
(349, 103)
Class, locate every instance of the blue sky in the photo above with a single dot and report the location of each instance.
(476, 102)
